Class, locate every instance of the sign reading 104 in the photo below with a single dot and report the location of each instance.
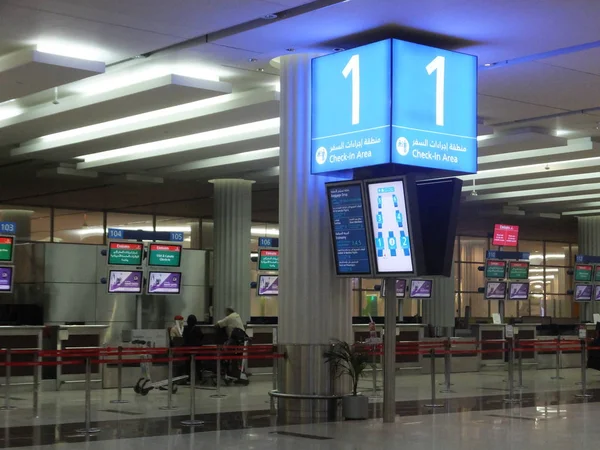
(394, 101)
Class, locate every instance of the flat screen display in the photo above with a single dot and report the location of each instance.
(268, 259)
(166, 255)
(421, 288)
(506, 235)
(268, 285)
(400, 288)
(349, 229)
(495, 269)
(583, 272)
(518, 270)
(164, 283)
(597, 293)
(6, 279)
(391, 227)
(495, 290)
(6, 248)
(125, 282)
(125, 254)
(583, 292)
(518, 291)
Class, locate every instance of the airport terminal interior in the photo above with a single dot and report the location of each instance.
(290, 224)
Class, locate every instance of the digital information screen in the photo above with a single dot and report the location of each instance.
(390, 227)
(495, 269)
(125, 282)
(125, 254)
(597, 293)
(165, 255)
(597, 273)
(400, 288)
(268, 285)
(268, 259)
(349, 229)
(505, 235)
(7, 248)
(164, 283)
(421, 288)
(518, 270)
(518, 291)
(495, 290)
(6, 279)
(583, 272)
(583, 292)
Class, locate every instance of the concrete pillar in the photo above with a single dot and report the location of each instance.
(22, 217)
(314, 305)
(233, 219)
(439, 310)
(589, 244)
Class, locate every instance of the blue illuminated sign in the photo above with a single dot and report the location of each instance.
(8, 228)
(268, 242)
(394, 101)
(115, 233)
(141, 235)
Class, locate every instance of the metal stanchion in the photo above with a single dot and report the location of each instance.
(520, 368)
(120, 379)
(511, 374)
(192, 422)
(433, 404)
(558, 362)
(447, 363)
(7, 406)
(169, 406)
(584, 394)
(36, 386)
(374, 374)
(88, 399)
(218, 394)
(272, 399)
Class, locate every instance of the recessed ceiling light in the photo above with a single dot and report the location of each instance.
(488, 64)
(269, 16)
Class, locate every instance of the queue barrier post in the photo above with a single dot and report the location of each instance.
(169, 406)
(447, 367)
(272, 399)
(433, 403)
(7, 373)
(192, 422)
(520, 366)
(584, 394)
(36, 386)
(511, 373)
(120, 378)
(88, 399)
(558, 361)
(219, 375)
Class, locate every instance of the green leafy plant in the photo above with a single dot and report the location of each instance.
(346, 359)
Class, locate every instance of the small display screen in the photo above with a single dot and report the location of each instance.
(597, 293)
(166, 255)
(583, 272)
(421, 288)
(495, 269)
(268, 285)
(583, 292)
(400, 288)
(268, 259)
(495, 290)
(164, 283)
(506, 235)
(125, 282)
(518, 291)
(6, 248)
(518, 270)
(125, 254)
(6, 279)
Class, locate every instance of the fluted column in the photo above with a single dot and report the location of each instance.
(589, 244)
(233, 220)
(314, 305)
(439, 310)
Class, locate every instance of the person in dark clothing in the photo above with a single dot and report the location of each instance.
(594, 353)
(192, 337)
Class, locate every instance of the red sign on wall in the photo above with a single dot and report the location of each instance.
(506, 235)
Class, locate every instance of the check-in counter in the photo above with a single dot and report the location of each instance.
(24, 338)
(526, 333)
(490, 332)
(568, 358)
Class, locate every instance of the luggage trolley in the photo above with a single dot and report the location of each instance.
(144, 385)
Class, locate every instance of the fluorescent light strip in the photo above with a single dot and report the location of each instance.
(533, 192)
(254, 231)
(582, 212)
(71, 50)
(569, 198)
(197, 138)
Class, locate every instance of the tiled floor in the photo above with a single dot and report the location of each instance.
(474, 415)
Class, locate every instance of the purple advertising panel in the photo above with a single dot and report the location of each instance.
(400, 288)
(421, 288)
(164, 283)
(125, 282)
(268, 285)
(583, 292)
(6, 279)
(597, 293)
(495, 290)
(518, 291)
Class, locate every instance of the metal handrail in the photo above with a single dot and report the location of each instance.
(275, 393)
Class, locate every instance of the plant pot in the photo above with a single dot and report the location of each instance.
(355, 407)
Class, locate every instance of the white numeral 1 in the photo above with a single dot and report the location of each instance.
(353, 68)
(437, 66)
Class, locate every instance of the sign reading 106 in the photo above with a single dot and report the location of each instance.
(420, 110)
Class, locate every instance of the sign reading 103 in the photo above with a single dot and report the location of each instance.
(394, 101)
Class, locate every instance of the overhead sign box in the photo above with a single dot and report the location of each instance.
(505, 235)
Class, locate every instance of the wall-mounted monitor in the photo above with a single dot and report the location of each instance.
(518, 291)
(597, 293)
(7, 247)
(268, 285)
(495, 269)
(583, 292)
(583, 272)
(125, 253)
(6, 279)
(421, 288)
(393, 215)
(125, 282)
(400, 288)
(268, 259)
(349, 229)
(518, 270)
(165, 255)
(505, 235)
(495, 290)
(164, 283)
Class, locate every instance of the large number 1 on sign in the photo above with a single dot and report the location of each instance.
(353, 68)
(438, 65)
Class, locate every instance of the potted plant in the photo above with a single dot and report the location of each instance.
(350, 360)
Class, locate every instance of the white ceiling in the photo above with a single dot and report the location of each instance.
(96, 99)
